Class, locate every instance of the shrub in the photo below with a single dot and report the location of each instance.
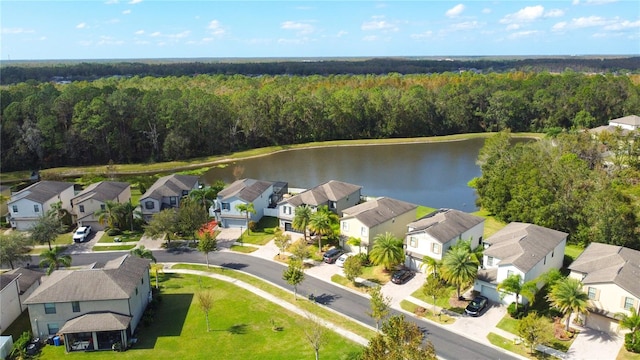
(114, 232)
(516, 314)
(253, 225)
(364, 259)
(420, 311)
(269, 231)
(631, 346)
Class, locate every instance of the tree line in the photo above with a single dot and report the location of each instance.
(148, 119)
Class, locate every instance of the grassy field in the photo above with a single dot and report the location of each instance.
(423, 210)
(241, 328)
(491, 224)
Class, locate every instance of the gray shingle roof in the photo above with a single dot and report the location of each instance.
(633, 120)
(170, 185)
(26, 277)
(104, 321)
(445, 224)
(41, 191)
(523, 245)
(116, 280)
(378, 211)
(604, 263)
(245, 189)
(101, 191)
(332, 190)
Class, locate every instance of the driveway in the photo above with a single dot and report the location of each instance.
(594, 344)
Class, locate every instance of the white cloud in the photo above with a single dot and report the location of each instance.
(81, 26)
(526, 14)
(111, 2)
(216, 28)
(486, 11)
(520, 34)
(85, 43)
(589, 21)
(301, 28)
(626, 24)
(108, 40)
(298, 41)
(370, 38)
(139, 32)
(378, 23)
(155, 34)
(562, 25)
(553, 13)
(425, 35)
(179, 35)
(341, 33)
(455, 11)
(512, 27)
(17, 31)
(467, 25)
(134, 2)
(126, 12)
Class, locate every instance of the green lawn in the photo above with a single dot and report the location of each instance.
(428, 314)
(339, 279)
(510, 346)
(240, 322)
(491, 224)
(243, 249)
(126, 236)
(259, 236)
(573, 251)
(376, 274)
(442, 302)
(511, 325)
(423, 210)
(113, 247)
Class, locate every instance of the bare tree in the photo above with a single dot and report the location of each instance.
(315, 334)
(205, 301)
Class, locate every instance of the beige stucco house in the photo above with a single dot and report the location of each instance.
(611, 278)
(166, 193)
(93, 199)
(15, 287)
(34, 201)
(92, 308)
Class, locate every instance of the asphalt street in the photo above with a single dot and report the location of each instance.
(448, 345)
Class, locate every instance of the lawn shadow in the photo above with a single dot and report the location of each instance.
(238, 329)
(234, 266)
(168, 320)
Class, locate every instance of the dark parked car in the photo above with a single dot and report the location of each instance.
(476, 306)
(401, 276)
(332, 255)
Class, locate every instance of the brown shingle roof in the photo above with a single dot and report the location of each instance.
(116, 280)
(245, 189)
(106, 321)
(41, 191)
(378, 211)
(101, 191)
(332, 190)
(170, 185)
(445, 224)
(523, 245)
(604, 263)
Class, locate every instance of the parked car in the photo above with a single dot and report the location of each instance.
(401, 276)
(82, 234)
(476, 306)
(342, 259)
(332, 255)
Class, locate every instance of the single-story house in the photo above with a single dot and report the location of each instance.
(370, 218)
(34, 201)
(262, 194)
(93, 199)
(521, 249)
(166, 193)
(611, 278)
(95, 308)
(433, 234)
(623, 124)
(15, 287)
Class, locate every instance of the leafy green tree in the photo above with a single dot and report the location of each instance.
(205, 302)
(53, 259)
(282, 241)
(459, 267)
(567, 296)
(207, 244)
(143, 252)
(534, 330)
(399, 340)
(352, 268)
(294, 275)
(300, 250)
(246, 209)
(380, 305)
(320, 224)
(46, 230)
(431, 265)
(163, 224)
(631, 322)
(302, 219)
(14, 248)
(191, 218)
(387, 251)
(434, 288)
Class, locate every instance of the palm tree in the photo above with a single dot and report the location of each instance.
(54, 258)
(205, 195)
(127, 212)
(459, 267)
(246, 209)
(109, 215)
(354, 241)
(143, 252)
(302, 219)
(387, 250)
(631, 322)
(157, 268)
(431, 265)
(567, 296)
(513, 285)
(320, 223)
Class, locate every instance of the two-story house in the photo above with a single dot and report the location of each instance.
(15, 287)
(521, 249)
(433, 234)
(336, 195)
(93, 199)
(92, 308)
(262, 194)
(611, 278)
(370, 218)
(166, 193)
(34, 201)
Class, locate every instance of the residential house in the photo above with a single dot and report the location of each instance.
(368, 219)
(93, 199)
(166, 193)
(518, 249)
(92, 308)
(34, 201)
(611, 278)
(433, 234)
(15, 287)
(623, 124)
(336, 195)
(264, 195)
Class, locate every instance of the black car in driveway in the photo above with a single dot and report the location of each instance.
(401, 276)
(331, 255)
(476, 306)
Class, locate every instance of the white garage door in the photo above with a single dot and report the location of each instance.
(601, 323)
(490, 293)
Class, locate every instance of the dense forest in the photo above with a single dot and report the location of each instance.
(71, 71)
(146, 119)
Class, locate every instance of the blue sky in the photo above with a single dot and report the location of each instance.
(130, 29)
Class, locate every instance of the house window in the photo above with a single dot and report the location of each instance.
(173, 200)
(75, 305)
(509, 273)
(53, 328)
(363, 231)
(136, 291)
(345, 226)
(49, 308)
(413, 242)
(102, 207)
(489, 260)
(592, 293)
(436, 248)
(15, 208)
(552, 253)
(142, 281)
(36, 208)
(81, 208)
(149, 205)
(544, 262)
(333, 204)
(628, 303)
(227, 206)
(185, 192)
